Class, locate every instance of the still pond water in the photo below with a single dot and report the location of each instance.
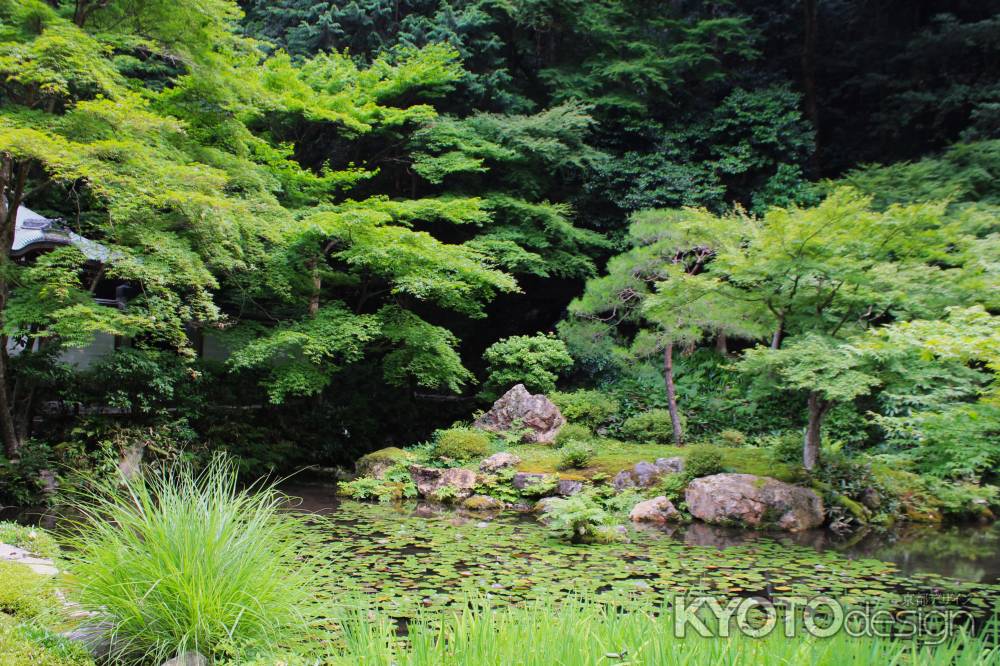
(414, 556)
(968, 552)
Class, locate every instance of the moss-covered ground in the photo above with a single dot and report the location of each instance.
(612, 456)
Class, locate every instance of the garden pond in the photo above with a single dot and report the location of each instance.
(414, 555)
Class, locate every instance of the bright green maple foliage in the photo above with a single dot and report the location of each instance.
(157, 131)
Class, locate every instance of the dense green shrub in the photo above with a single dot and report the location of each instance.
(961, 441)
(92, 449)
(598, 356)
(172, 561)
(847, 425)
(703, 461)
(651, 426)
(785, 447)
(845, 482)
(461, 444)
(573, 432)
(532, 360)
(142, 382)
(575, 455)
(593, 409)
(732, 437)
(498, 486)
(22, 481)
(257, 448)
(926, 498)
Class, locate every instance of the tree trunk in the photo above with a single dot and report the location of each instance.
(317, 286)
(11, 191)
(668, 379)
(722, 344)
(8, 429)
(84, 8)
(25, 392)
(811, 448)
(778, 332)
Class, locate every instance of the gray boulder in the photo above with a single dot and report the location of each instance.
(518, 408)
(645, 474)
(656, 510)
(673, 465)
(754, 501)
(567, 487)
(499, 461)
(95, 638)
(429, 479)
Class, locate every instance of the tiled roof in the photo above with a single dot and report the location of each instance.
(31, 229)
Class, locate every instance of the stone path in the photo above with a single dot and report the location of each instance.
(39, 565)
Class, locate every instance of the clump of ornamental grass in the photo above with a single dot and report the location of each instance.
(175, 560)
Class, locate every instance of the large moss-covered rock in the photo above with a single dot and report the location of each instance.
(377, 462)
(754, 501)
(482, 503)
(430, 479)
(518, 408)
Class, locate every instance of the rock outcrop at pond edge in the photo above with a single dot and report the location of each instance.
(518, 408)
(483, 503)
(657, 510)
(754, 501)
(430, 479)
(377, 463)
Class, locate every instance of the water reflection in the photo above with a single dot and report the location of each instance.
(969, 553)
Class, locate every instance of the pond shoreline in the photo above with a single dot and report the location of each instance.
(964, 549)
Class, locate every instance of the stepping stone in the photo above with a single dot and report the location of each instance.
(40, 565)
